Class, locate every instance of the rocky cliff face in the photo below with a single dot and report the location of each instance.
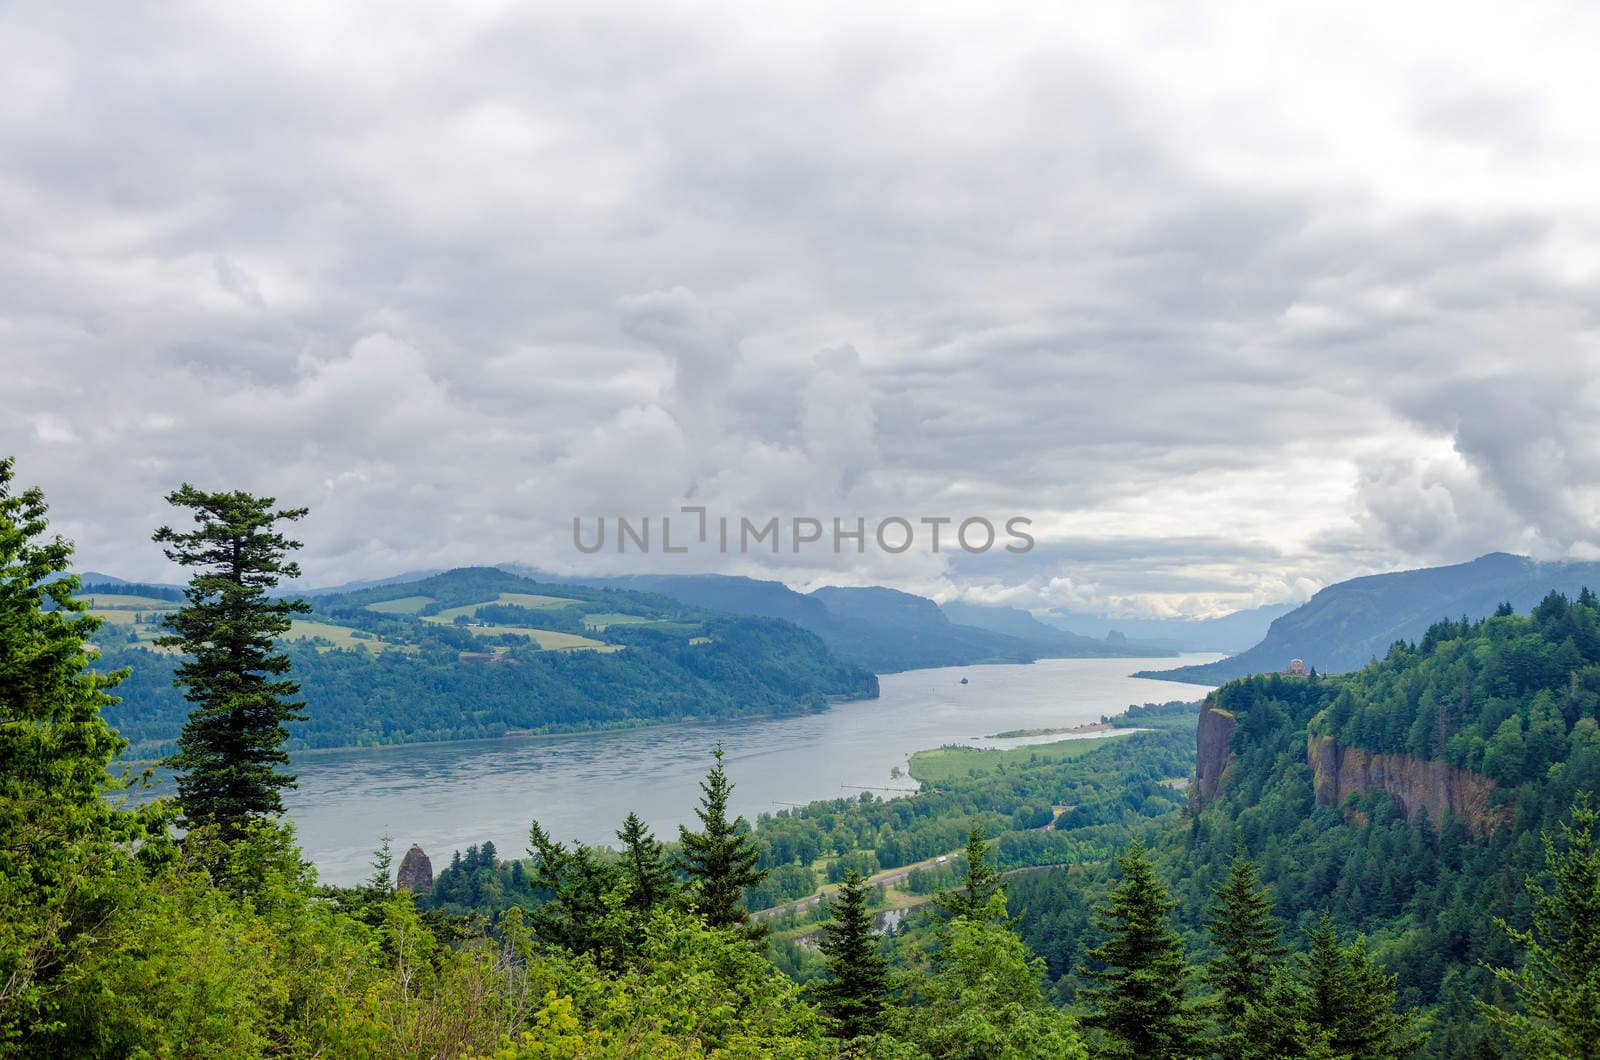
(1212, 756)
(416, 871)
(1415, 783)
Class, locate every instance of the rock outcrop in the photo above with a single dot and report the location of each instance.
(1414, 783)
(416, 871)
(1212, 755)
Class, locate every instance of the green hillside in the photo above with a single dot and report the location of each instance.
(477, 653)
(1408, 799)
(1352, 623)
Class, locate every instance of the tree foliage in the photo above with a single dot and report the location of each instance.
(1138, 975)
(1557, 988)
(721, 859)
(66, 850)
(231, 749)
(857, 991)
(1248, 950)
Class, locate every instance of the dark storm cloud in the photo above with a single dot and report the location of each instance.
(452, 277)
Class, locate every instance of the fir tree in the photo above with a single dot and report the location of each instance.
(1248, 949)
(577, 915)
(62, 842)
(1558, 986)
(644, 866)
(1351, 1001)
(720, 859)
(1139, 973)
(231, 748)
(857, 992)
(381, 882)
(1277, 1026)
(981, 882)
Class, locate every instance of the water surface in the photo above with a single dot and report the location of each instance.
(448, 796)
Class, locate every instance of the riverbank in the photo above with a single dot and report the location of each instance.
(1074, 730)
(559, 732)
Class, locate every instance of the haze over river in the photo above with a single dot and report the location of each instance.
(449, 796)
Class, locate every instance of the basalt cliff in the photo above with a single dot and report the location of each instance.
(1339, 771)
(1416, 784)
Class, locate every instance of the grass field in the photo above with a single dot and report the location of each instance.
(118, 610)
(534, 600)
(115, 618)
(531, 600)
(406, 605)
(945, 764)
(113, 602)
(614, 618)
(548, 639)
(340, 636)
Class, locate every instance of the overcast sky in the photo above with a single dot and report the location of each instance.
(1232, 302)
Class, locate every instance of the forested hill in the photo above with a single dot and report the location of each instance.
(1347, 625)
(1408, 799)
(478, 652)
(882, 629)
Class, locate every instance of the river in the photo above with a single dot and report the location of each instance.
(448, 796)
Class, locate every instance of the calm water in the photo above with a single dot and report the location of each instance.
(448, 796)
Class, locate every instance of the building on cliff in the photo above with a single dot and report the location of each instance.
(1296, 668)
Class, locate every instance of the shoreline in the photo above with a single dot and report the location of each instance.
(597, 730)
(1071, 730)
(541, 734)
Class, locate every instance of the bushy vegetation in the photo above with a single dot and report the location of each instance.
(1514, 698)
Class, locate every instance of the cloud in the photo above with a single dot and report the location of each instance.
(1231, 302)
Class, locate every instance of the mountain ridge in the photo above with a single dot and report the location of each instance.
(1350, 623)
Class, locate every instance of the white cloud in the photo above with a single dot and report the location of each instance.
(1232, 301)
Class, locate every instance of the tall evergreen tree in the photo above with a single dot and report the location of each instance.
(1248, 949)
(1139, 978)
(577, 914)
(644, 865)
(63, 845)
(1350, 1001)
(981, 882)
(1278, 1026)
(231, 748)
(1558, 986)
(857, 991)
(720, 859)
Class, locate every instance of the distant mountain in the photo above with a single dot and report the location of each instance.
(1232, 632)
(1347, 625)
(94, 577)
(1051, 640)
(884, 630)
(363, 583)
(720, 592)
(899, 631)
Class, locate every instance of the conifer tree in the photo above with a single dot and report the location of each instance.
(857, 992)
(981, 882)
(231, 748)
(720, 859)
(1350, 1001)
(381, 882)
(644, 865)
(1139, 975)
(1278, 1026)
(63, 845)
(577, 914)
(1248, 949)
(1558, 986)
